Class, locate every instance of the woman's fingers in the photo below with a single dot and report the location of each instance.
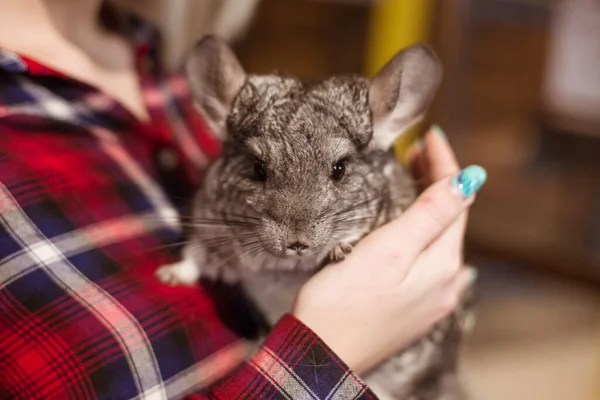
(431, 158)
(456, 288)
(463, 280)
(443, 163)
(432, 214)
(441, 158)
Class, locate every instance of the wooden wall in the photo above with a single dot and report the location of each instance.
(307, 38)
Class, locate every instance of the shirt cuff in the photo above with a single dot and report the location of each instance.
(292, 363)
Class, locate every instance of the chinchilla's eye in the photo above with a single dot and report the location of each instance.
(338, 169)
(260, 170)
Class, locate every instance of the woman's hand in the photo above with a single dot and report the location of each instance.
(404, 277)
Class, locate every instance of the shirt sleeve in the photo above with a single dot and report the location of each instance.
(293, 363)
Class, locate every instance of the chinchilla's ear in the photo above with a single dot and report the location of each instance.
(401, 93)
(215, 77)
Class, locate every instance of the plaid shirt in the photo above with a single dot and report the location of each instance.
(88, 198)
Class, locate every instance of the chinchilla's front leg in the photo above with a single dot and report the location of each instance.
(195, 264)
(185, 272)
(339, 252)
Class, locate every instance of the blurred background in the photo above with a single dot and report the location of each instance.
(521, 96)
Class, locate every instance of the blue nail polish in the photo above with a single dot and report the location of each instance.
(470, 180)
(438, 131)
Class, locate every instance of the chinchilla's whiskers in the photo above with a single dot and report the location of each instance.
(351, 216)
(246, 214)
(370, 213)
(225, 242)
(189, 243)
(217, 215)
(216, 243)
(171, 245)
(215, 239)
(377, 209)
(239, 217)
(245, 248)
(356, 220)
(216, 224)
(220, 223)
(381, 200)
(228, 238)
(251, 248)
(343, 224)
(223, 221)
(364, 203)
(229, 215)
(192, 242)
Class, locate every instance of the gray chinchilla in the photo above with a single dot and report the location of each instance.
(307, 169)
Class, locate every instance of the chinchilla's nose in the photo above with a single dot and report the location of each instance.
(297, 248)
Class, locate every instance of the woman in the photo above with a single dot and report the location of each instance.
(93, 140)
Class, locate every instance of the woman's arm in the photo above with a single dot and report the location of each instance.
(292, 363)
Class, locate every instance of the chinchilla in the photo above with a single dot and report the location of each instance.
(307, 169)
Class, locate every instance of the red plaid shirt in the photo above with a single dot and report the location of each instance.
(87, 213)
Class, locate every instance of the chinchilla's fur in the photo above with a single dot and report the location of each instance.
(307, 170)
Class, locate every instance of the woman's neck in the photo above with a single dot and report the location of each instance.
(68, 35)
(24, 22)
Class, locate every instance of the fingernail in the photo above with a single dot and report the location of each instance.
(436, 129)
(473, 274)
(470, 180)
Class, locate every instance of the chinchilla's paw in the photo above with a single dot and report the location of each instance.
(340, 252)
(184, 272)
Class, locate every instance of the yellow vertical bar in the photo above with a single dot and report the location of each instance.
(395, 25)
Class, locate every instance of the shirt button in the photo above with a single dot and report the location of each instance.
(168, 159)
